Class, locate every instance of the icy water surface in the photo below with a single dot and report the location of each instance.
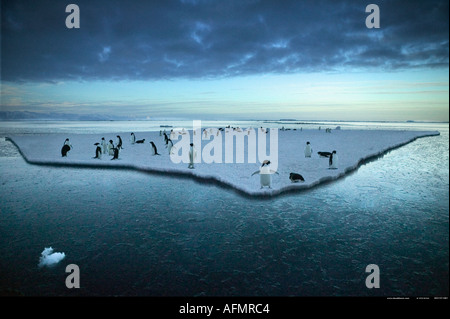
(133, 233)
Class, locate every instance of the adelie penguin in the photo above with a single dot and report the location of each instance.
(66, 148)
(294, 177)
(119, 142)
(104, 146)
(133, 138)
(98, 151)
(154, 149)
(308, 150)
(324, 154)
(110, 148)
(116, 153)
(169, 146)
(265, 174)
(192, 156)
(333, 160)
(140, 141)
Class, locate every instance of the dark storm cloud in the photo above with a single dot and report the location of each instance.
(201, 39)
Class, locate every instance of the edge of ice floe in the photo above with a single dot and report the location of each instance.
(174, 172)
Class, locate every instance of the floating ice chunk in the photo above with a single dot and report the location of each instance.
(49, 258)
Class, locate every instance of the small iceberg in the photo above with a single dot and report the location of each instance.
(49, 258)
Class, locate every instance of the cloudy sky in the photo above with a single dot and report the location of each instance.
(243, 59)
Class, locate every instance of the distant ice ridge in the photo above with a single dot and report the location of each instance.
(49, 258)
(353, 147)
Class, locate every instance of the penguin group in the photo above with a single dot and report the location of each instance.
(108, 148)
(111, 148)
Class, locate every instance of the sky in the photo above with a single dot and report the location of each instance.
(219, 60)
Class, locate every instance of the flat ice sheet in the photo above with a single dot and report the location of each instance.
(352, 146)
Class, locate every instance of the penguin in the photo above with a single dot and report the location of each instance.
(115, 153)
(154, 149)
(160, 133)
(104, 145)
(67, 142)
(308, 150)
(294, 177)
(324, 154)
(119, 142)
(333, 160)
(133, 138)
(169, 145)
(140, 141)
(265, 174)
(165, 138)
(192, 156)
(98, 151)
(64, 150)
(110, 148)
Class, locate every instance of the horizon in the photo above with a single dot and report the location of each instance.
(168, 119)
(253, 60)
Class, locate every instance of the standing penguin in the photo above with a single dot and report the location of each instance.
(308, 150)
(119, 142)
(110, 148)
(154, 149)
(115, 153)
(333, 161)
(265, 174)
(133, 138)
(104, 145)
(169, 145)
(67, 142)
(192, 156)
(98, 151)
(66, 148)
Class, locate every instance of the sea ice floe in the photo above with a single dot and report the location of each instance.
(227, 156)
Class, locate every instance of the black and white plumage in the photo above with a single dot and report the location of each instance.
(154, 149)
(110, 148)
(333, 160)
(104, 146)
(119, 142)
(294, 177)
(115, 153)
(265, 174)
(308, 150)
(98, 151)
(64, 150)
(324, 154)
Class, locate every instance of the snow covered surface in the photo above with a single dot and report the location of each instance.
(353, 147)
